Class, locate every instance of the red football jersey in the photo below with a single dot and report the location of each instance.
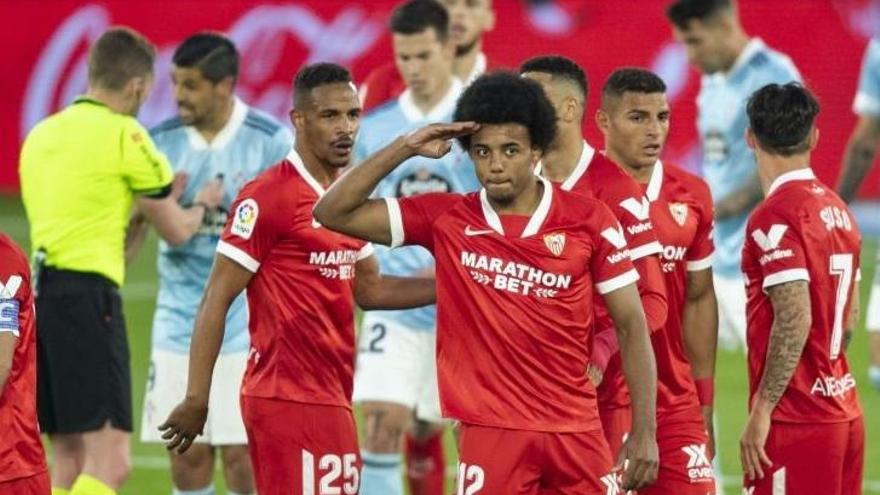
(300, 300)
(21, 451)
(803, 231)
(682, 215)
(513, 308)
(597, 176)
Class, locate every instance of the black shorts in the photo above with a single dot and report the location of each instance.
(83, 369)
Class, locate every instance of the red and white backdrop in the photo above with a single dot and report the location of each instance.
(46, 45)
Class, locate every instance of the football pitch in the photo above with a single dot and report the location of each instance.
(151, 475)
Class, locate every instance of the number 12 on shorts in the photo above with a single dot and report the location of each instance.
(333, 467)
(470, 479)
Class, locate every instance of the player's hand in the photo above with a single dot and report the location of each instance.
(211, 194)
(708, 421)
(184, 424)
(595, 374)
(178, 185)
(639, 459)
(751, 445)
(435, 140)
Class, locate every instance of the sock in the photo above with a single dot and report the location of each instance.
(89, 485)
(381, 474)
(60, 491)
(208, 490)
(426, 465)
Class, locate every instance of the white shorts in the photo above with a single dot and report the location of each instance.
(399, 365)
(731, 295)
(872, 310)
(166, 387)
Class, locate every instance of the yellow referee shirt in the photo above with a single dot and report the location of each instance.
(80, 170)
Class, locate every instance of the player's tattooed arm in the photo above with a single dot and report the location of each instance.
(741, 200)
(372, 290)
(855, 313)
(347, 207)
(788, 335)
(8, 341)
(860, 152)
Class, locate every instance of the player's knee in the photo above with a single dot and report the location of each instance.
(237, 469)
(385, 425)
(194, 468)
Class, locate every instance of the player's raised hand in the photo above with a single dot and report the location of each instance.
(178, 185)
(435, 140)
(185, 422)
(639, 459)
(211, 194)
(751, 445)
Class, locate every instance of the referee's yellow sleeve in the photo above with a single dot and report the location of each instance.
(144, 167)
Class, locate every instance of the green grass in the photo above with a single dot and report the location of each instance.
(151, 474)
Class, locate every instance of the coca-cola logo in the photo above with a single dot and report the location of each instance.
(261, 35)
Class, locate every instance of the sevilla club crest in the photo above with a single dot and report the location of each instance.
(679, 212)
(555, 242)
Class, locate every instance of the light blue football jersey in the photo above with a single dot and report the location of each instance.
(251, 142)
(452, 173)
(867, 101)
(727, 160)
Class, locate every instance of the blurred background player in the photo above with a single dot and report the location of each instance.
(23, 469)
(469, 21)
(860, 154)
(634, 119)
(805, 432)
(517, 263)
(733, 66)
(99, 159)
(302, 281)
(577, 166)
(396, 372)
(215, 133)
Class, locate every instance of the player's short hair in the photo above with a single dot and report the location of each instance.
(681, 12)
(212, 54)
(632, 80)
(558, 67)
(506, 98)
(416, 16)
(119, 55)
(781, 117)
(315, 75)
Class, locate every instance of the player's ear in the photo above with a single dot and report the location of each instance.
(537, 153)
(814, 138)
(297, 119)
(227, 84)
(490, 20)
(751, 140)
(603, 120)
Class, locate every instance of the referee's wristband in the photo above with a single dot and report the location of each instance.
(705, 391)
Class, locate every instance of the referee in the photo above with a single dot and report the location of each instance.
(81, 170)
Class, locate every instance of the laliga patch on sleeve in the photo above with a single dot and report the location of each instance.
(245, 218)
(9, 315)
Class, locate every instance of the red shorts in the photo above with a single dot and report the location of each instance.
(497, 461)
(37, 484)
(301, 449)
(685, 467)
(616, 424)
(812, 458)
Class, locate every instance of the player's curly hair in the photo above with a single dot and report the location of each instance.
(506, 98)
(781, 117)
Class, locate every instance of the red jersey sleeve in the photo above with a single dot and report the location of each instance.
(610, 265)
(412, 218)
(15, 288)
(774, 239)
(254, 226)
(699, 254)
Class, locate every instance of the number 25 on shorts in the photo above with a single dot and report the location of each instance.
(470, 479)
(331, 467)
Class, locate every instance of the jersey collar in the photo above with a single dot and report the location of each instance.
(296, 160)
(236, 120)
(652, 192)
(535, 221)
(441, 110)
(479, 69)
(580, 169)
(805, 173)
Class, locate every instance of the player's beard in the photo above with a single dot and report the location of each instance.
(462, 50)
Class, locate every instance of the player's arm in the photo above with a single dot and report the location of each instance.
(8, 341)
(741, 200)
(640, 372)
(347, 207)
(701, 340)
(855, 314)
(174, 223)
(227, 280)
(372, 290)
(860, 152)
(792, 318)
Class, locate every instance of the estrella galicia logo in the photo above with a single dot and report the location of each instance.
(422, 181)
